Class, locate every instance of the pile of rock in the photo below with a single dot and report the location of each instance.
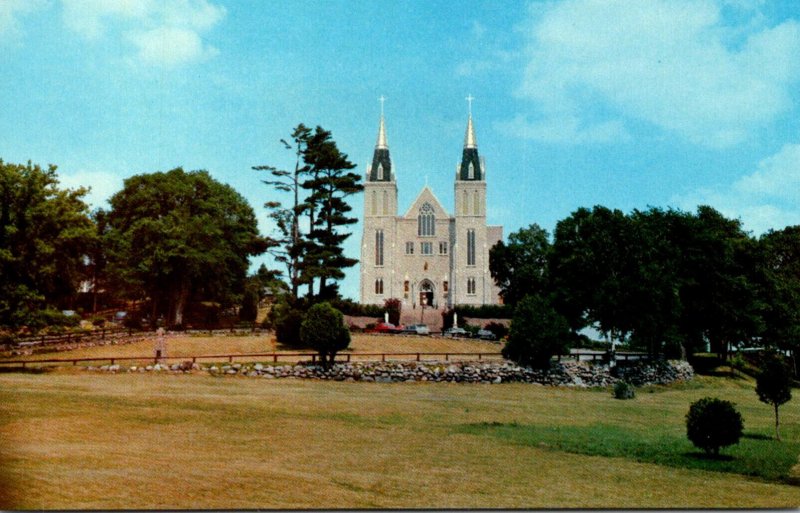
(655, 373)
(571, 374)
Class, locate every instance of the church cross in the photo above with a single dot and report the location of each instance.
(469, 99)
(382, 99)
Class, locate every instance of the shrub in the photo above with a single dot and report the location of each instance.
(712, 423)
(774, 384)
(537, 333)
(323, 329)
(99, 321)
(393, 306)
(287, 327)
(499, 330)
(624, 390)
(249, 310)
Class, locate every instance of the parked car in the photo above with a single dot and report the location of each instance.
(456, 332)
(486, 335)
(387, 327)
(417, 329)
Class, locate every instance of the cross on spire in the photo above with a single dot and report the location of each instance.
(382, 99)
(469, 99)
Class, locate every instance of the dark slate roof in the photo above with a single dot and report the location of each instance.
(381, 156)
(470, 155)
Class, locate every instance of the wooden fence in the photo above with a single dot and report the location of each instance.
(276, 357)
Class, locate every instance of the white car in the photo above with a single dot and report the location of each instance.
(418, 329)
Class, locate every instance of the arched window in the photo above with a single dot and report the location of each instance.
(471, 171)
(380, 171)
(465, 203)
(426, 221)
(476, 206)
(374, 204)
(379, 286)
(385, 203)
(378, 247)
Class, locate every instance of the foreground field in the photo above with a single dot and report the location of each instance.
(72, 440)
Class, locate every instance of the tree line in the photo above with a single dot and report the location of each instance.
(171, 239)
(665, 281)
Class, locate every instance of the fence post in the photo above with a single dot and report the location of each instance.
(275, 357)
(103, 333)
(479, 356)
(348, 357)
(447, 357)
(383, 357)
(313, 358)
(417, 356)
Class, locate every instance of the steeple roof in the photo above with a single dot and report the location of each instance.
(469, 138)
(381, 168)
(471, 167)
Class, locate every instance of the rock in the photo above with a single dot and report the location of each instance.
(498, 379)
(114, 368)
(258, 366)
(231, 371)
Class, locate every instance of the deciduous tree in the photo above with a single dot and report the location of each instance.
(177, 235)
(45, 235)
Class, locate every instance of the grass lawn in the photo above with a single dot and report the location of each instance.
(191, 345)
(76, 440)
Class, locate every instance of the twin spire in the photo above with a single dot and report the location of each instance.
(471, 167)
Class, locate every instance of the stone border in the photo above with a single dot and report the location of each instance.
(569, 374)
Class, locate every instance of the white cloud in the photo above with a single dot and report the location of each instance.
(767, 198)
(102, 183)
(561, 127)
(170, 46)
(11, 10)
(681, 65)
(163, 33)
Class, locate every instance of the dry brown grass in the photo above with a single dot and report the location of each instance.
(190, 345)
(71, 440)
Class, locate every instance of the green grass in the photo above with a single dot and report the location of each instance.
(757, 454)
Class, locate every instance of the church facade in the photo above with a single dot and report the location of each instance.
(427, 256)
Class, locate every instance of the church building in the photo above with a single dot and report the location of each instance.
(427, 257)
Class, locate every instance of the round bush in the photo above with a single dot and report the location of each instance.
(624, 390)
(713, 423)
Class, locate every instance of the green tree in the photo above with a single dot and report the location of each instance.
(537, 333)
(520, 267)
(323, 329)
(712, 423)
(328, 183)
(45, 235)
(592, 269)
(288, 247)
(774, 384)
(781, 292)
(178, 235)
(314, 255)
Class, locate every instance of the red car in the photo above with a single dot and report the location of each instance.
(387, 327)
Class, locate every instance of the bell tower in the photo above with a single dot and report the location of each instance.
(471, 282)
(380, 211)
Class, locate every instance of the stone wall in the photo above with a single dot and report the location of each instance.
(571, 374)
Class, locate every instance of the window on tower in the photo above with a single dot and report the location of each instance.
(385, 203)
(470, 247)
(426, 248)
(380, 171)
(471, 172)
(426, 221)
(378, 247)
(476, 206)
(379, 286)
(442, 248)
(409, 248)
(471, 286)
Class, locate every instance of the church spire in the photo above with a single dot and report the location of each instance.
(381, 168)
(469, 137)
(471, 167)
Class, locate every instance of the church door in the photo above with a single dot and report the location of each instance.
(426, 293)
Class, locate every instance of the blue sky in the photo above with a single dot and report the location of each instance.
(627, 104)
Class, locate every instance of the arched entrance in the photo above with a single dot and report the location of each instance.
(426, 293)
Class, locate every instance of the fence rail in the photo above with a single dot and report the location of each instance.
(275, 357)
